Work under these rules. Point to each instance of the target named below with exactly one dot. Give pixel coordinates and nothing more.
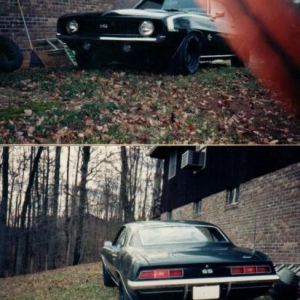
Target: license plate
(206, 292)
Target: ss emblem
(103, 26)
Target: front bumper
(156, 39)
(154, 284)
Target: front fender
(198, 32)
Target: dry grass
(79, 282)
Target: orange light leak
(271, 31)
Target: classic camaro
(173, 34)
(183, 260)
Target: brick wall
(41, 17)
(271, 203)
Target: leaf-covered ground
(217, 105)
(79, 282)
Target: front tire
(186, 60)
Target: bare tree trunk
(74, 203)
(133, 178)
(78, 252)
(21, 264)
(144, 204)
(53, 223)
(3, 210)
(67, 219)
(44, 219)
(157, 189)
(123, 186)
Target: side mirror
(107, 244)
(219, 14)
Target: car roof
(154, 223)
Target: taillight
(263, 269)
(161, 274)
(250, 270)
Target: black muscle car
(173, 34)
(183, 260)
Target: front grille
(115, 27)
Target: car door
(116, 250)
(225, 28)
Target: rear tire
(237, 62)
(11, 57)
(107, 281)
(187, 58)
(122, 292)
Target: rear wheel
(106, 278)
(186, 60)
(122, 293)
(237, 62)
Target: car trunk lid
(204, 254)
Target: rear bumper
(154, 284)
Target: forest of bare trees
(58, 204)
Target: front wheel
(186, 60)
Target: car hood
(149, 13)
(193, 255)
(123, 13)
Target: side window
(233, 195)
(121, 238)
(197, 207)
(172, 165)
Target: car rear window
(180, 235)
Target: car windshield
(180, 235)
(170, 5)
(179, 4)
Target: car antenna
(254, 235)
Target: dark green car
(183, 260)
(172, 34)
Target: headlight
(146, 28)
(72, 26)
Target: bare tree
(124, 199)
(78, 252)
(57, 197)
(3, 210)
(67, 218)
(157, 188)
(53, 223)
(21, 264)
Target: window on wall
(233, 195)
(172, 165)
(197, 207)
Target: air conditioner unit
(192, 158)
